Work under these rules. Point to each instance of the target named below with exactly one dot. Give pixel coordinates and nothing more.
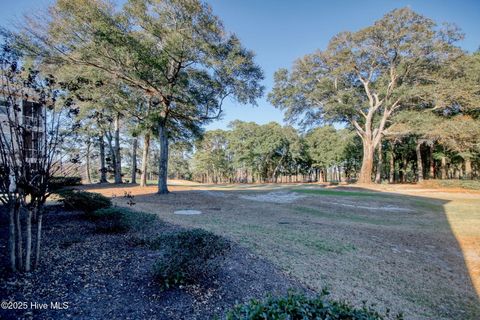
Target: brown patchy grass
(422, 257)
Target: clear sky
(279, 31)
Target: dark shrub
(297, 306)
(57, 183)
(189, 257)
(84, 201)
(113, 220)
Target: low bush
(297, 306)
(57, 183)
(84, 201)
(189, 257)
(114, 220)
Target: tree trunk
(19, 237)
(87, 164)
(391, 177)
(163, 159)
(11, 238)
(28, 245)
(118, 157)
(103, 170)
(419, 161)
(134, 160)
(146, 147)
(432, 163)
(378, 176)
(468, 167)
(367, 162)
(443, 167)
(39, 238)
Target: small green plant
(115, 220)
(189, 257)
(297, 306)
(84, 201)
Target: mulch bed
(108, 276)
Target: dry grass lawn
(414, 249)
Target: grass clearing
(422, 261)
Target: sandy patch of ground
(371, 207)
(275, 197)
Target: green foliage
(297, 306)
(327, 146)
(363, 78)
(260, 151)
(115, 220)
(188, 257)
(179, 157)
(57, 183)
(84, 201)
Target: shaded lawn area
(108, 275)
(412, 253)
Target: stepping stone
(188, 212)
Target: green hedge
(298, 307)
(84, 201)
(189, 257)
(114, 220)
(57, 183)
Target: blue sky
(280, 31)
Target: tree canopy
(364, 77)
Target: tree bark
(103, 170)
(19, 237)
(378, 176)
(367, 162)
(391, 177)
(419, 161)
(443, 167)
(118, 156)
(87, 164)
(134, 160)
(432, 163)
(146, 147)
(28, 245)
(11, 238)
(163, 159)
(468, 167)
(39, 238)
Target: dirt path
(422, 257)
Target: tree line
(153, 73)
(251, 153)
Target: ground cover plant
(188, 256)
(298, 306)
(83, 201)
(119, 219)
